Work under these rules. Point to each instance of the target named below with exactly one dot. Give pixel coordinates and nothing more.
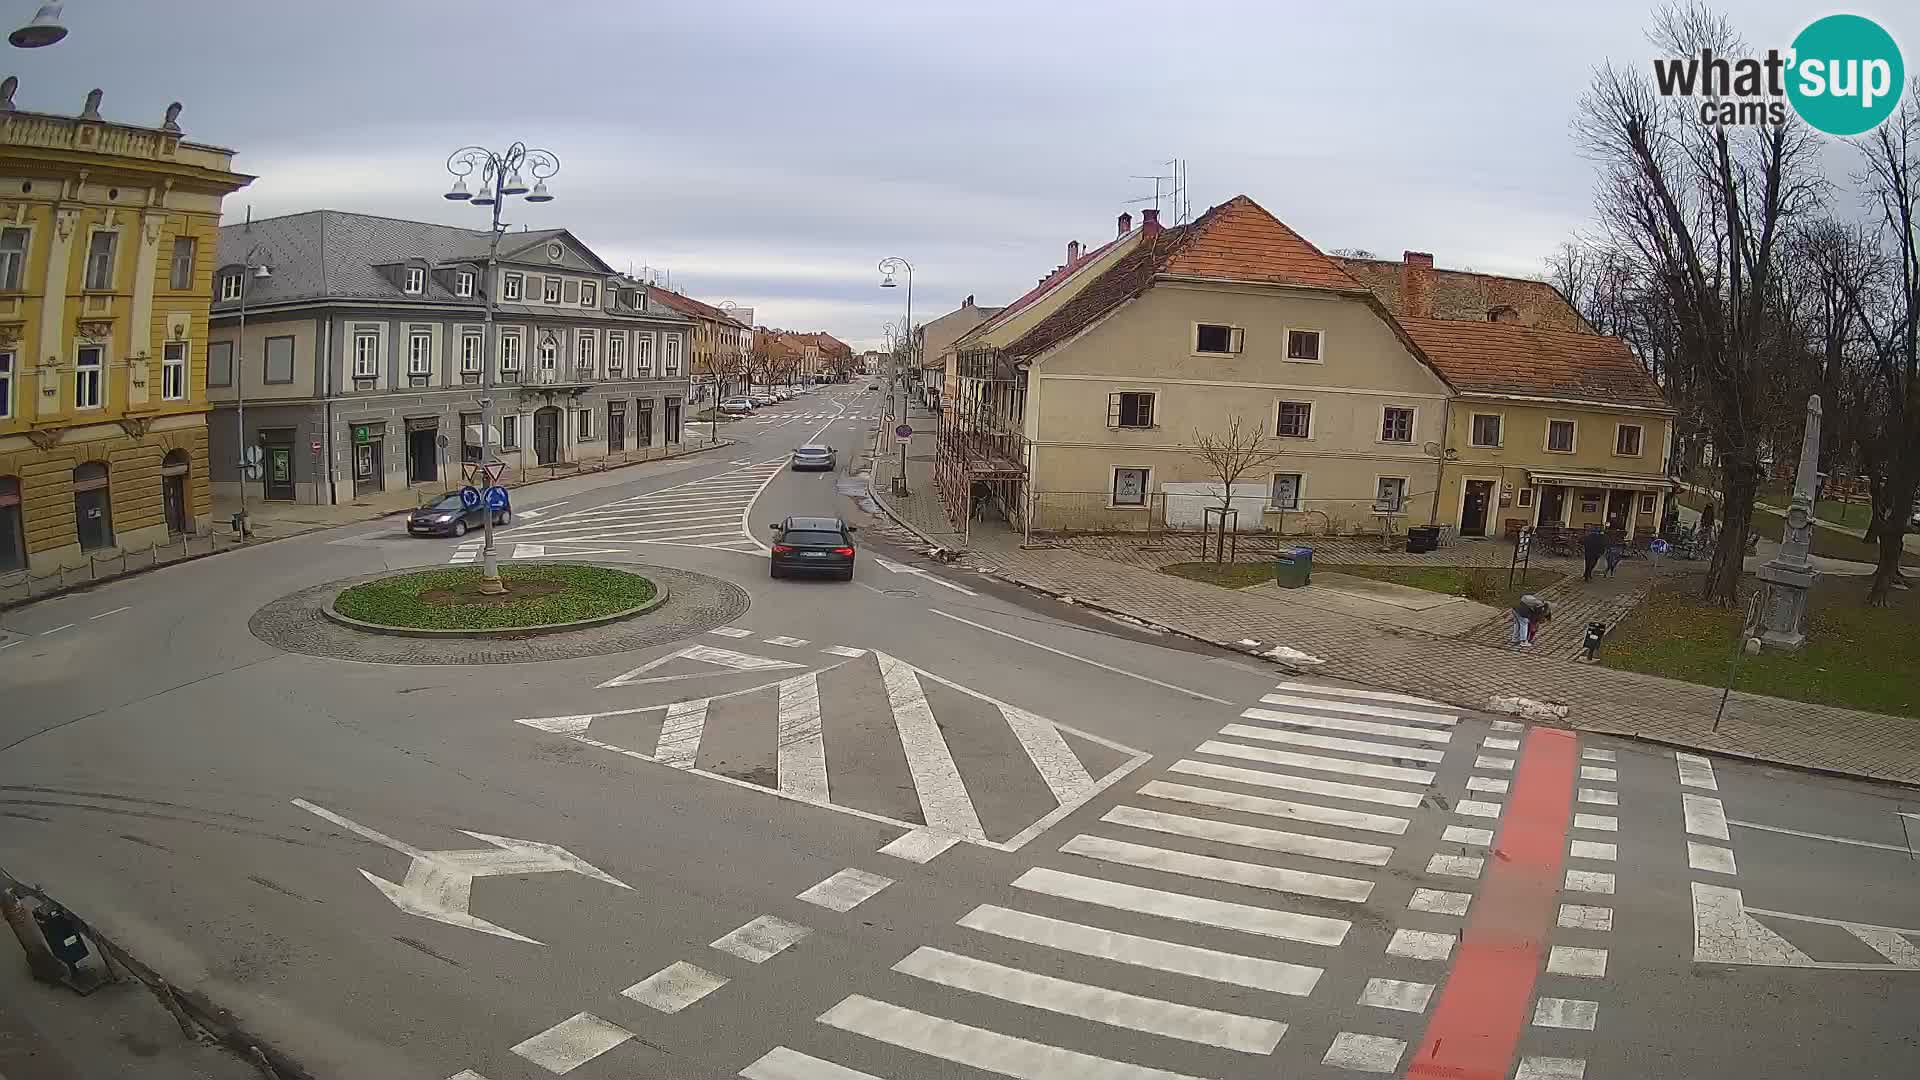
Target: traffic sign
(903, 434)
(496, 498)
(251, 472)
(251, 455)
(316, 446)
(470, 497)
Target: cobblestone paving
(695, 604)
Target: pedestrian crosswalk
(788, 418)
(707, 513)
(1185, 930)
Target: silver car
(813, 456)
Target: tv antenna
(1169, 191)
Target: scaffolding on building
(981, 461)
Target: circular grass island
(540, 598)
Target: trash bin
(1293, 568)
(1423, 538)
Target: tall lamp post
(250, 269)
(502, 176)
(888, 267)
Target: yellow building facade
(107, 250)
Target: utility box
(1422, 539)
(1293, 568)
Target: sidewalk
(119, 1032)
(920, 509)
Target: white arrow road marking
(705, 654)
(439, 884)
(539, 512)
(898, 568)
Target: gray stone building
(361, 370)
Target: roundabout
(540, 598)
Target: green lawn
(1833, 545)
(448, 600)
(1857, 657)
(1487, 585)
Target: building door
(1473, 513)
(279, 466)
(643, 423)
(13, 527)
(546, 435)
(1620, 512)
(173, 491)
(369, 467)
(616, 426)
(673, 420)
(1553, 506)
(423, 455)
(92, 506)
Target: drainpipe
(326, 357)
(1440, 467)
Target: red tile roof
(687, 305)
(1465, 294)
(1527, 361)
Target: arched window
(13, 526)
(92, 506)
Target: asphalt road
(916, 826)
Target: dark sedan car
(813, 545)
(445, 516)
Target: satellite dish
(1431, 449)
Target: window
(173, 372)
(366, 355)
(643, 355)
(1396, 424)
(1286, 492)
(1303, 345)
(100, 250)
(416, 281)
(550, 290)
(180, 270)
(1560, 436)
(463, 283)
(1213, 338)
(1296, 420)
(513, 287)
(510, 352)
(220, 363)
(584, 352)
(1526, 497)
(1486, 429)
(279, 360)
(549, 353)
(1130, 410)
(6, 385)
(1626, 440)
(670, 363)
(584, 428)
(230, 287)
(420, 353)
(1646, 504)
(589, 294)
(1130, 487)
(13, 257)
(470, 349)
(88, 369)
(1390, 494)
(616, 354)
(509, 432)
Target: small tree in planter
(1229, 456)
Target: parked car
(736, 406)
(812, 545)
(447, 516)
(763, 397)
(784, 393)
(813, 456)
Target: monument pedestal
(1783, 607)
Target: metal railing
(1069, 513)
(21, 586)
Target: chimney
(1416, 284)
(969, 302)
(1126, 224)
(1150, 222)
(1073, 253)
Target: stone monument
(1788, 575)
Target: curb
(887, 507)
(659, 597)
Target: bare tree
(1231, 455)
(1704, 209)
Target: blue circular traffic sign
(470, 497)
(496, 498)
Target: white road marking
(1710, 857)
(1599, 797)
(1367, 695)
(1364, 1053)
(572, 1043)
(463, 1074)
(1724, 933)
(1551, 1068)
(1569, 1013)
(1329, 742)
(1440, 902)
(1066, 777)
(761, 939)
(1484, 761)
(1200, 910)
(1579, 962)
(104, 614)
(781, 1063)
(1695, 771)
(1597, 755)
(1584, 917)
(1382, 711)
(9, 645)
(1492, 742)
(1595, 772)
(1466, 866)
(529, 551)
(845, 890)
(1462, 834)
(703, 654)
(944, 803)
(898, 568)
(1508, 725)
(1901, 848)
(1188, 1023)
(989, 1051)
(787, 642)
(1597, 822)
(1280, 808)
(1288, 782)
(1706, 816)
(1253, 972)
(1254, 875)
(801, 766)
(919, 845)
(56, 629)
(1397, 995)
(730, 631)
(1489, 784)
(1360, 727)
(844, 650)
(1316, 763)
(1226, 832)
(680, 733)
(1589, 849)
(1477, 808)
(1589, 881)
(674, 987)
(1091, 663)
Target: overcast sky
(771, 153)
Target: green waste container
(1293, 568)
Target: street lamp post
(501, 177)
(888, 267)
(250, 269)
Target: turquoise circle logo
(1847, 74)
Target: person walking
(1593, 545)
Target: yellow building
(107, 246)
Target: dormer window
(589, 294)
(550, 290)
(463, 283)
(416, 280)
(230, 286)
